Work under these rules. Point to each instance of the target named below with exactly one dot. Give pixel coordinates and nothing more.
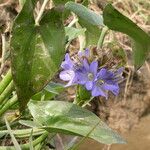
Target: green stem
(27, 146)
(4, 102)
(24, 133)
(5, 81)
(9, 103)
(102, 36)
(7, 92)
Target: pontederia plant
(38, 50)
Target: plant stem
(5, 81)
(41, 12)
(7, 92)
(9, 103)
(102, 36)
(26, 146)
(24, 133)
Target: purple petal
(89, 85)
(94, 67)
(67, 75)
(86, 65)
(105, 74)
(71, 82)
(110, 81)
(68, 63)
(101, 73)
(113, 88)
(82, 77)
(97, 91)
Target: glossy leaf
(68, 118)
(118, 22)
(85, 13)
(36, 54)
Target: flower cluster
(98, 81)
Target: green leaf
(92, 32)
(68, 118)
(82, 95)
(29, 123)
(49, 92)
(54, 88)
(85, 13)
(36, 53)
(73, 33)
(118, 22)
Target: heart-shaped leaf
(68, 118)
(37, 51)
(118, 22)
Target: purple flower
(87, 74)
(99, 83)
(69, 72)
(106, 81)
